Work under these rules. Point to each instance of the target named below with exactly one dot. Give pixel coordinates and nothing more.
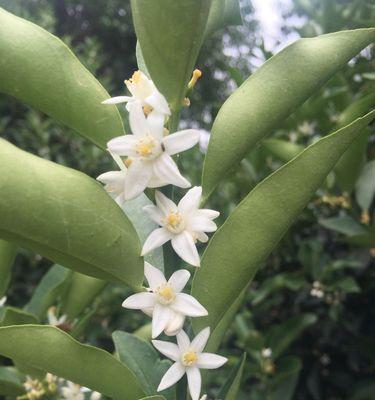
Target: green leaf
(154, 398)
(40, 70)
(365, 186)
(365, 240)
(170, 34)
(143, 360)
(230, 389)
(15, 316)
(66, 216)
(345, 224)
(81, 293)
(286, 378)
(144, 226)
(260, 221)
(56, 352)
(222, 14)
(280, 337)
(282, 149)
(264, 100)
(10, 382)
(8, 253)
(49, 289)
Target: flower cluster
(145, 161)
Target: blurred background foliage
(307, 323)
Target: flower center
(148, 147)
(166, 294)
(189, 358)
(139, 86)
(136, 78)
(174, 222)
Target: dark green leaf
(365, 186)
(230, 389)
(10, 382)
(345, 224)
(286, 378)
(8, 252)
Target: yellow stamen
(189, 358)
(166, 292)
(147, 109)
(136, 78)
(174, 219)
(128, 162)
(196, 75)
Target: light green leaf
(144, 226)
(230, 389)
(49, 289)
(260, 221)
(264, 100)
(365, 186)
(170, 34)
(8, 253)
(280, 337)
(15, 316)
(10, 382)
(222, 14)
(282, 149)
(40, 70)
(143, 360)
(81, 293)
(154, 398)
(56, 352)
(66, 216)
(345, 224)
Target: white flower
(150, 163)
(188, 358)
(3, 301)
(307, 128)
(52, 318)
(143, 93)
(72, 391)
(266, 352)
(183, 224)
(204, 140)
(165, 301)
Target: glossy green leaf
(282, 149)
(16, 316)
(8, 251)
(40, 70)
(260, 221)
(222, 14)
(66, 216)
(230, 389)
(80, 294)
(143, 360)
(144, 226)
(280, 337)
(365, 186)
(170, 34)
(10, 382)
(264, 100)
(49, 289)
(56, 352)
(344, 224)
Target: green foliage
(8, 252)
(222, 14)
(64, 203)
(231, 387)
(10, 382)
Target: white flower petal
(190, 202)
(183, 341)
(155, 122)
(117, 100)
(140, 300)
(154, 276)
(179, 279)
(123, 145)
(137, 177)
(202, 224)
(166, 170)
(210, 361)
(154, 213)
(194, 382)
(168, 349)
(183, 244)
(181, 141)
(148, 311)
(165, 205)
(158, 102)
(188, 305)
(175, 324)
(200, 341)
(155, 182)
(156, 239)
(206, 213)
(113, 178)
(173, 375)
(137, 120)
(160, 319)
(202, 237)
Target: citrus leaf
(8, 252)
(222, 14)
(230, 389)
(15, 316)
(365, 186)
(170, 34)
(282, 149)
(10, 382)
(265, 99)
(66, 216)
(260, 221)
(56, 352)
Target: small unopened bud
(365, 217)
(186, 102)
(196, 75)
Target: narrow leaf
(56, 352)
(264, 100)
(258, 223)
(40, 70)
(231, 387)
(66, 216)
